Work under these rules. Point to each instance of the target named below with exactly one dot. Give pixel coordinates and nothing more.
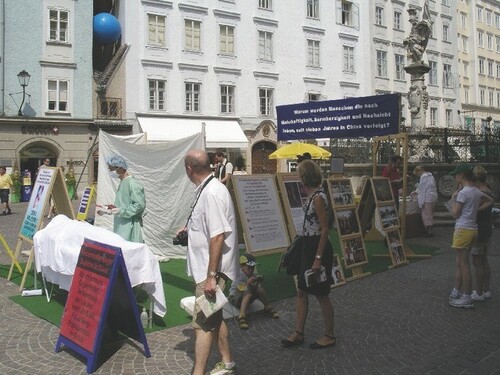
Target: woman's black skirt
(309, 251)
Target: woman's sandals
(317, 345)
(299, 340)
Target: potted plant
(70, 181)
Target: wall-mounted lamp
(24, 79)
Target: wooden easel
(49, 181)
(10, 253)
(401, 141)
(340, 182)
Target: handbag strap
(307, 209)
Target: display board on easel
(260, 213)
(49, 182)
(88, 196)
(293, 197)
(348, 226)
(100, 297)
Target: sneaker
(477, 297)
(464, 302)
(220, 369)
(487, 294)
(455, 294)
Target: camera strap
(196, 201)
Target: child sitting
(247, 288)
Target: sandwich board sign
(100, 297)
(87, 197)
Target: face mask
(113, 174)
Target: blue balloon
(107, 29)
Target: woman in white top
(426, 197)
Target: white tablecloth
(58, 245)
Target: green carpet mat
(178, 285)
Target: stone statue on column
(415, 44)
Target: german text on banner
(367, 117)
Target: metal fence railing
(436, 145)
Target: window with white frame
(379, 16)
(433, 113)
(313, 53)
(482, 93)
(489, 18)
(400, 63)
(398, 20)
(57, 94)
(463, 18)
(381, 63)
(465, 44)
(447, 77)
(466, 69)
(498, 98)
(433, 74)
(449, 117)
(480, 38)
(58, 25)
(445, 2)
(347, 18)
(348, 59)
(466, 94)
(446, 33)
(192, 34)
(266, 4)
(156, 30)
(481, 65)
(265, 45)
(489, 41)
(490, 68)
(226, 40)
(226, 99)
(491, 98)
(313, 97)
(497, 39)
(193, 93)
(480, 14)
(497, 21)
(498, 70)
(266, 101)
(156, 94)
(313, 9)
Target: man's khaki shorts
(200, 321)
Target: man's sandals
(242, 322)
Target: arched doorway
(31, 156)
(260, 157)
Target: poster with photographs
(366, 207)
(354, 251)
(398, 255)
(388, 216)
(382, 189)
(347, 222)
(337, 272)
(294, 198)
(341, 192)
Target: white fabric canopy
(169, 193)
(219, 133)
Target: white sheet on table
(58, 245)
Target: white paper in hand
(212, 305)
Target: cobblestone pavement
(394, 322)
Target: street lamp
(24, 78)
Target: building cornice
(198, 67)
(353, 85)
(314, 30)
(193, 8)
(348, 36)
(316, 80)
(164, 64)
(227, 14)
(159, 3)
(57, 64)
(261, 74)
(265, 21)
(225, 70)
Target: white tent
(219, 133)
(169, 193)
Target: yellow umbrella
(293, 149)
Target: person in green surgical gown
(130, 202)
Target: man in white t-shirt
(212, 255)
(224, 167)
